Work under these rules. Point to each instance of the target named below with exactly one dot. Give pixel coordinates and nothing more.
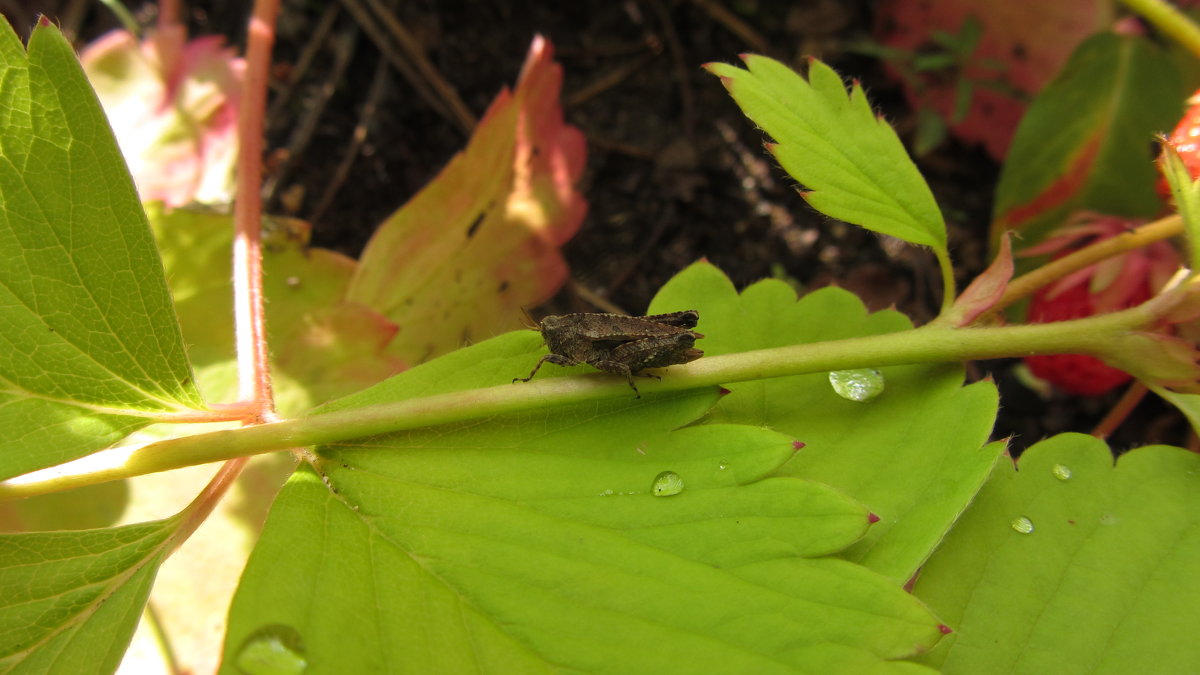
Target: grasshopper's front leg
(556, 359)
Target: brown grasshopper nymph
(623, 345)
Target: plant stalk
(1167, 18)
(929, 344)
(1026, 284)
(254, 370)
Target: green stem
(949, 290)
(929, 344)
(123, 15)
(1167, 18)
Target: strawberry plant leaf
(502, 208)
(91, 348)
(1188, 404)
(537, 541)
(895, 453)
(1185, 193)
(1099, 574)
(1083, 143)
(69, 601)
(851, 162)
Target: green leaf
(496, 580)
(1188, 404)
(90, 348)
(1185, 192)
(896, 453)
(1105, 582)
(535, 542)
(835, 146)
(1083, 143)
(69, 601)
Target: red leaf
(1022, 46)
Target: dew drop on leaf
(667, 484)
(1061, 472)
(858, 384)
(1022, 525)
(274, 649)
(723, 465)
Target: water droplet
(723, 465)
(667, 484)
(607, 493)
(1061, 472)
(1022, 525)
(272, 650)
(859, 384)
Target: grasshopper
(623, 345)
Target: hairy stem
(930, 344)
(949, 292)
(254, 373)
(1121, 411)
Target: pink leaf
(470, 250)
(1022, 46)
(987, 288)
(173, 107)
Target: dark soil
(675, 173)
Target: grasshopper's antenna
(529, 322)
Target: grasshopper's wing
(685, 319)
(618, 328)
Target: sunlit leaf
(173, 105)
(895, 453)
(459, 262)
(90, 349)
(537, 541)
(69, 601)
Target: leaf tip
(872, 518)
(798, 445)
(723, 391)
(944, 629)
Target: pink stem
(254, 374)
(168, 13)
(204, 503)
